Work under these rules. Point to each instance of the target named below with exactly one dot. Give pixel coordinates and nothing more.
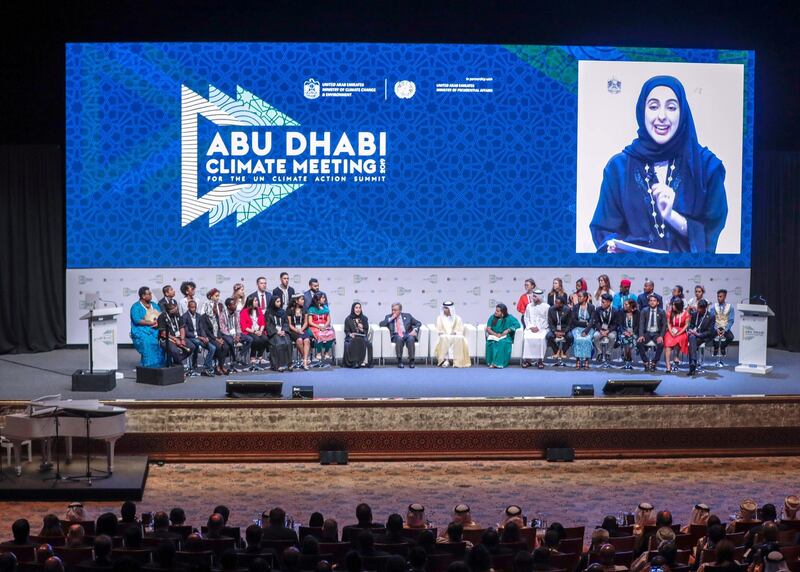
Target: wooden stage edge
(263, 430)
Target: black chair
(26, 553)
(315, 531)
(141, 555)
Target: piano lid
(51, 405)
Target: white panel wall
(475, 291)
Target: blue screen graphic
(357, 155)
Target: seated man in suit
(21, 531)
(275, 528)
(605, 323)
(169, 296)
(102, 554)
(283, 290)
(652, 327)
(701, 330)
(394, 531)
(161, 528)
(308, 295)
(559, 323)
(172, 335)
(404, 330)
(261, 295)
(194, 325)
(364, 518)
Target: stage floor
(127, 482)
(26, 376)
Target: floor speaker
(560, 454)
(333, 457)
(159, 375)
(82, 380)
(254, 389)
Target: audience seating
(399, 549)
(744, 526)
(473, 535)
(574, 532)
(337, 549)
(413, 533)
(315, 531)
(567, 562)
(623, 543)
(88, 526)
(457, 549)
(141, 555)
(183, 529)
(71, 557)
(200, 558)
(736, 537)
(51, 540)
(571, 545)
(23, 553)
(503, 562)
(439, 561)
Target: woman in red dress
(676, 336)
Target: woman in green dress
(500, 337)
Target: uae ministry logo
(259, 155)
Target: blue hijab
(694, 162)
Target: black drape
(32, 277)
(776, 243)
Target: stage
(386, 413)
(27, 376)
(127, 482)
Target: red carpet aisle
(575, 493)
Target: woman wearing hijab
(664, 191)
(296, 316)
(280, 346)
(500, 337)
(357, 342)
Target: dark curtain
(776, 243)
(32, 276)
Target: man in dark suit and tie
(308, 295)
(649, 289)
(404, 329)
(169, 297)
(194, 326)
(652, 327)
(283, 290)
(700, 330)
(263, 298)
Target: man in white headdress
(534, 342)
(452, 345)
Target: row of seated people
(588, 330)
(644, 541)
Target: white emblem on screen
(405, 89)
(311, 88)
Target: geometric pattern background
(472, 179)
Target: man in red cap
(624, 294)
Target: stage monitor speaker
(333, 457)
(98, 380)
(302, 392)
(631, 386)
(159, 375)
(560, 454)
(254, 389)
(582, 390)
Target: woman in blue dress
(582, 332)
(144, 329)
(663, 191)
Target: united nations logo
(311, 88)
(405, 89)
(614, 85)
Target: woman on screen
(664, 191)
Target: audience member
(463, 515)
(51, 527)
(479, 559)
(364, 518)
(276, 528)
(330, 530)
(8, 562)
(417, 559)
(102, 553)
(75, 536)
(21, 531)
(415, 517)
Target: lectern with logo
(102, 373)
(753, 340)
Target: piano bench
(6, 444)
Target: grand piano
(106, 422)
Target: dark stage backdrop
(31, 248)
(776, 243)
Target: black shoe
(208, 373)
(692, 368)
(369, 365)
(411, 365)
(400, 365)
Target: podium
(753, 340)
(102, 324)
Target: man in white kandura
(534, 343)
(452, 345)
